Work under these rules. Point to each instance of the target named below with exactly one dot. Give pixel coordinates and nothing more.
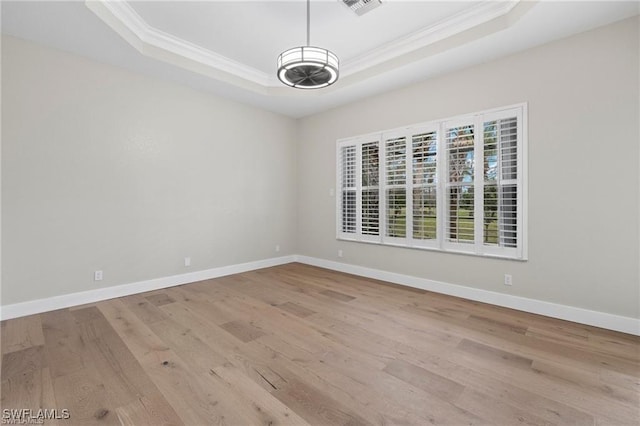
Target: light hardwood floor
(300, 345)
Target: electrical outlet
(508, 280)
(339, 253)
(277, 248)
(97, 276)
(187, 261)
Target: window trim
(478, 248)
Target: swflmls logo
(29, 416)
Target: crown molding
(157, 44)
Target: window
(454, 185)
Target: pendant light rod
(307, 67)
(308, 23)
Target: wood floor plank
(146, 310)
(510, 326)
(296, 309)
(201, 357)
(203, 304)
(496, 411)
(21, 333)
(23, 362)
(614, 378)
(425, 380)
(487, 352)
(63, 344)
(148, 410)
(297, 344)
(245, 331)
(337, 295)
(29, 390)
(86, 398)
(265, 408)
(159, 299)
(316, 407)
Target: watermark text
(21, 416)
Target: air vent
(360, 7)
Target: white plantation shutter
(347, 172)
(508, 201)
(460, 183)
(370, 194)
(395, 187)
(358, 178)
(456, 185)
(503, 213)
(500, 182)
(424, 152)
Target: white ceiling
(230, 48)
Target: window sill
(436, 249)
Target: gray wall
(107, 169)
(584, 167)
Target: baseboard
(92, 296)
(569, 313)
(554, 310)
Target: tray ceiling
(230, 48)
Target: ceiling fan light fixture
(308, 67)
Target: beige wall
(107, 169)
(584, 137)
